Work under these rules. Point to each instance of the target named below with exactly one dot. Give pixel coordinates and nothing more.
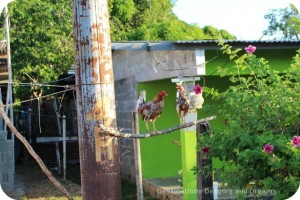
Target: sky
(242, 18)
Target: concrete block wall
(7, 167)
(126, 92)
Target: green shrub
(260, 108)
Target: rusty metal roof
(202, 44)
(3, 47)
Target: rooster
(151, 110)
(182, 102)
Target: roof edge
(202, 44)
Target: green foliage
(41, 42)
(258, 109)
(283, 23)
(154, 20)
(213, 33)
(42, 38)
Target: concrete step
(164, 188)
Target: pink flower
(250, 49)
(268, 148)
(205, 150)
(296, 141)
(197, 89)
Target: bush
(261, 112)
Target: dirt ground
(37, 186)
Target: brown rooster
(151, 110)
(182, 102)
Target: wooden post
(58, 117)
(64, 147)
(58, 158)
(204, 182)
(137, 159)
(30, 125)
(99, 153)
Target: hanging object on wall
(194, 92)
(196, 97)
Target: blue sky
(242, 18)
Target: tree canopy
(154, 20)
(42, 38)
(284, 23)
(41, 41)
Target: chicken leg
(154, 132)
(146, 123)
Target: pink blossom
(296, 141)
(205, 150)
(197, 89)
(250, 49)
(268, 148)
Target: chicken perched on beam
(182, 102)
(151, 110)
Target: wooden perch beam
(116, 133)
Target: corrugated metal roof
(202, 44)
(239, 41)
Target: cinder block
(7, 187)
(129, 142)
(3, 135)
(6, 167)
(7, 156)
(4, 177)
(7, 145)
(10, 177)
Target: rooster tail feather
(141, 100)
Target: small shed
(151, 66)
